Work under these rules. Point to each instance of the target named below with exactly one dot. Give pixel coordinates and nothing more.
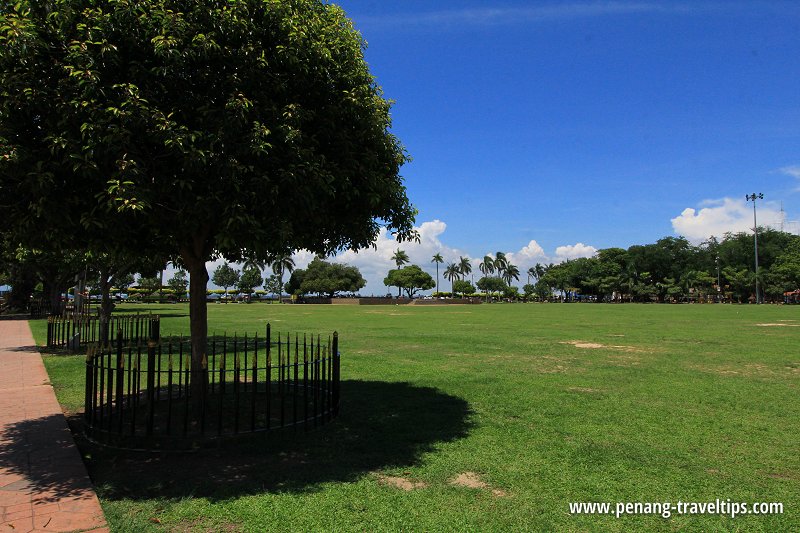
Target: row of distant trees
(671, 269)
(250, 277)
(320, 277)
(498, 273)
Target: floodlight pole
(719, 288)
(752, 198)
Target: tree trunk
(51, 288)
(194, 256)
(105, 305)
(198, 320)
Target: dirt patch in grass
(585, 345)
(597, 346)
(471, 480)
(401, 483)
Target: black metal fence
(40, 308)
(147, 396)
(78, 331)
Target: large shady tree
(234, 129)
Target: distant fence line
(141, 397)
(78, 331)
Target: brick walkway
(43, 482)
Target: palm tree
(464, 266)
(400, 258)
(510, 273)
(251, 262)
(500, 264)
(437, 259)
(452, 273)
(487, 266)
(487, 269)
(540, 270)
(280, 264)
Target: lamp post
(719, 288)
(752, 198)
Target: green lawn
(541, 404)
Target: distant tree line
(672, 269)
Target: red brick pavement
(43, 482)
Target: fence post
(204, 377)
(305, 381)
(268, 380)
(120, 379)
(236, 375)
(336, 373)
(254, 383)
(188, 399)
(89, 390)
(152, 343)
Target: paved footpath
(43, 482)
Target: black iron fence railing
(78, 331)
(146, 395)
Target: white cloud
(721, 216)
(574, 251)
(531, 254)
(793, 170)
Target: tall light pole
(719, 288)
(752, 198)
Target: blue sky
(551, 129)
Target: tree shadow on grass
(381, 425)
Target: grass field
(494, 418)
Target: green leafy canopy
(223, 128)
